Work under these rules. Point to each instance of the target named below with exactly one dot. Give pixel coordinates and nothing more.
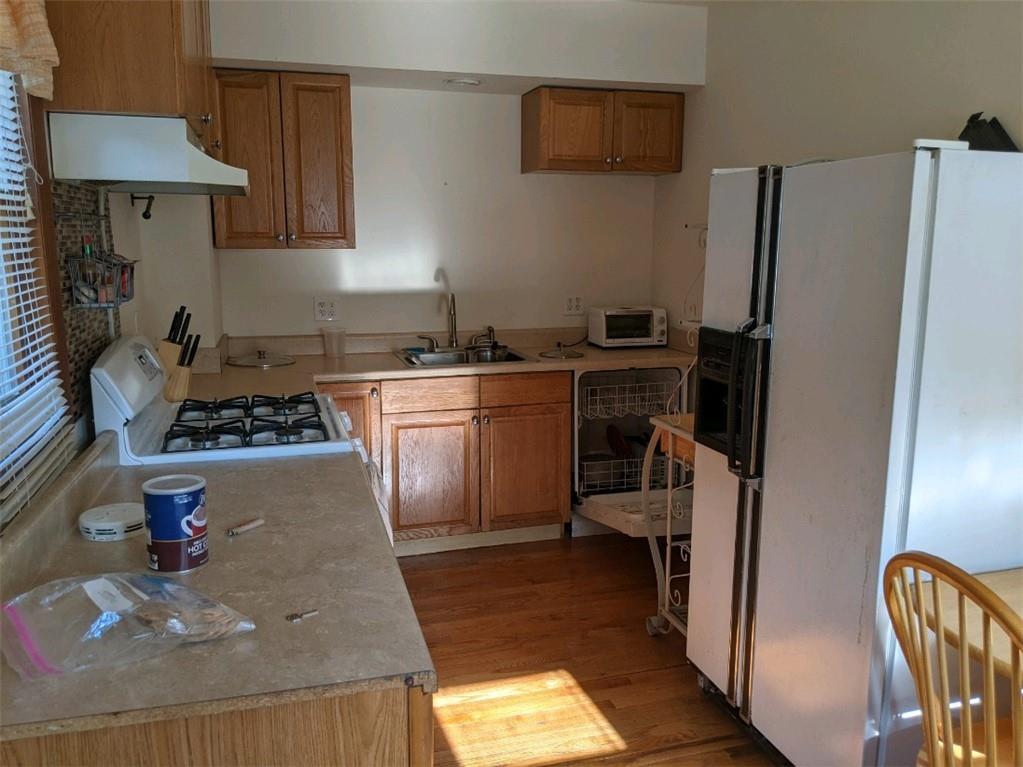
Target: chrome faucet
(488, 335)
(452, 322)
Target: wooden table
(1007, 584)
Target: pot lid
(261, 359)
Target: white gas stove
(127, 394)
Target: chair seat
(1003, 740)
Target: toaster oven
(616, 326)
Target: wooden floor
(543, 659)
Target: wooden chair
(914, 584)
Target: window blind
(35, 436)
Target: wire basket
(620, 474)
(618, 400)
(105, 280)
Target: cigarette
(244, 528)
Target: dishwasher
(613, 429)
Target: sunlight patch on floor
(524, 721)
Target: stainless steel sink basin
(448, 357)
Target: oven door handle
(738, 341)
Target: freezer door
(731, 240)
(966, 497)
(842, 252)
(715, 493)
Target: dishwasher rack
(619, 400)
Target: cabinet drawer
(525, 389)
(416, 395)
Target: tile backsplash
(76, 209)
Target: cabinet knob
(607, 160)
(217, 143)
(207, 119)
(486, 419)
(292, 237)
(374, 393)
(279, 238)
(618, 159)
(475, 420)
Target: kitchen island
(349, 685)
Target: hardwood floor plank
(543, 659)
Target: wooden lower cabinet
(525, 457)
(361, 400)
(379, 727)
(431, 469)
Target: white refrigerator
(859, 393)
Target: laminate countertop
(310, 370)
(323, 547)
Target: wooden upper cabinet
(569, 129)
(248, 135)
(525, 465)
(317, 121)
(197, 81)
(431, 470)
(648, 132)
(148, 58)
(293, 134)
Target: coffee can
(176, 534)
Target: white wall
(788, 81)
(437, 186)
(600, 41)
(176, 264)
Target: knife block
(168, 352)
(176, 388)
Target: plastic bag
(104, 620)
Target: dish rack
(101, 281)
(613, 427)
(633, 398)
(619, 474)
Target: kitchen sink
(446, 357)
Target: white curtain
(26, 45)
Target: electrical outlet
(573, 306)
(325, 308)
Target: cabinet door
(248, 130)
(319, 195)
(567, 129)
(525, 460)
(431, 471)
(117, 56)
(195, 52)
(648, 132)
(361, 400)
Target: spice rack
(101, 280)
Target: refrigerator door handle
(731, 430)
(750, 380)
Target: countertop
(310, 370)
(323, 546)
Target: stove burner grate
(308, 428)
(304, 403)
(205, 436)
(209, 410)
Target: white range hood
(151, 155)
